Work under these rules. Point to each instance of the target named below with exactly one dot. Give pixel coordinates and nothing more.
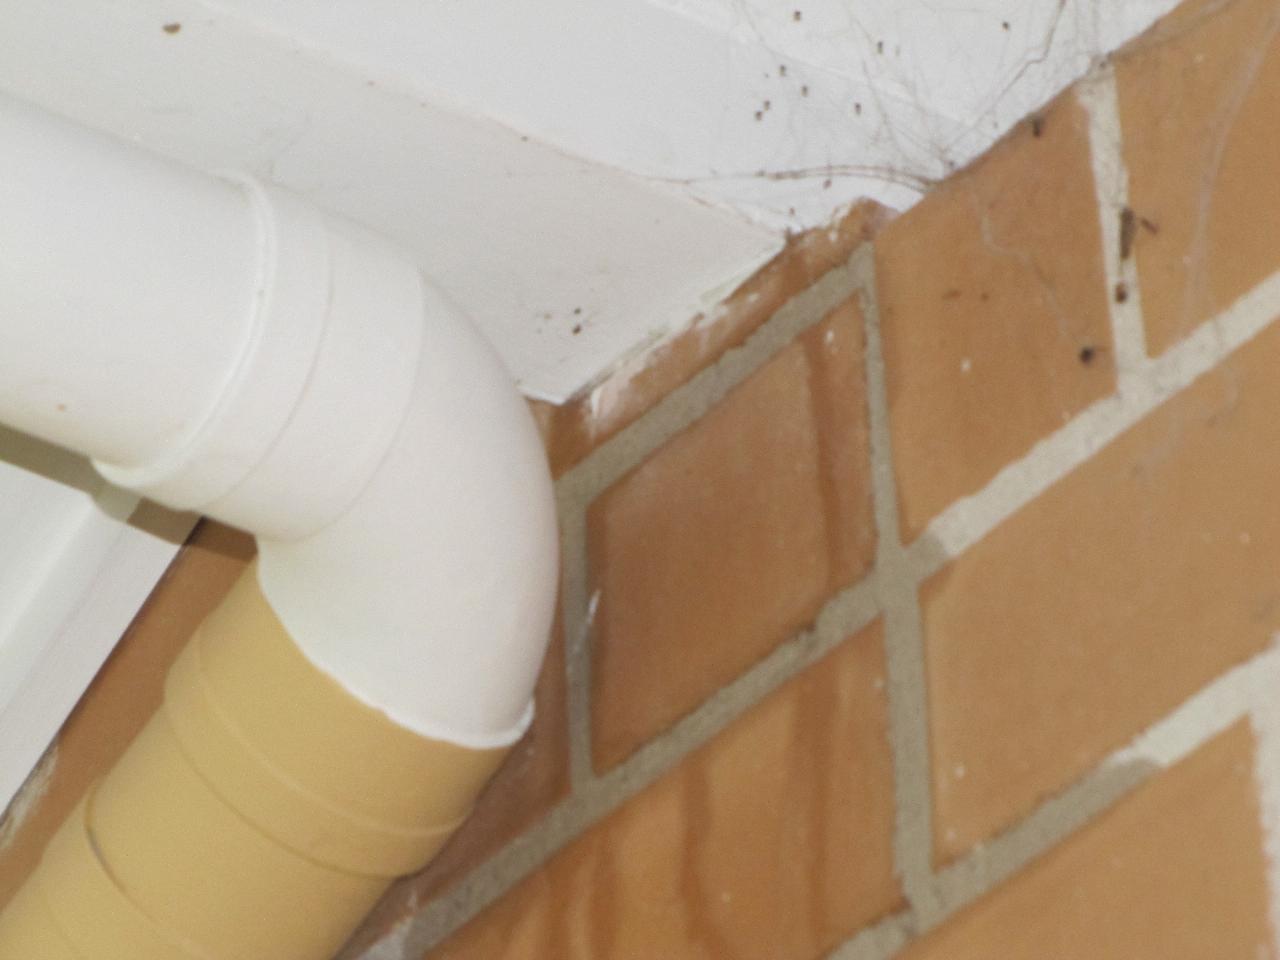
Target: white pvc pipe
(125, 287)
(222, 346)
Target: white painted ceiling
(583, 176)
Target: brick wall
(921, 602)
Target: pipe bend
(431, 596)
(375, 444)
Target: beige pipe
(258, 816)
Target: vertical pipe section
(127, 285)
(260, 813)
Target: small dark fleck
(880, 46)
(1122, 292)
(984, 296)
(1037, 126)
(1128, 230)
(804, 91)
(759, 115)
(950, 294)
(1087, 355)
(577, 311)
(577, 329)
(826, 184)
(1004, 24)
(797, 16)
(524, 139)
(791, 211)
(1147, 225)
(782, 69)
(171, 28)
(857, 108)
(768, 104)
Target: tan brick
(1108, 600)
(533, 778)
(729, 538)
(994, 312)
(1200, 101)
(576, 428)
(1175, 872)
(772, 842)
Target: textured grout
(1265, 718)
(1247, 690)
(573, 559)
(1097, 94)
(878, 941)
(895, 584)
(969, 519)
(688, 403)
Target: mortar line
(1243, 692)
(880, 941)
(1119, 224)
(692, 400)
(577, 649)
(847, 612)
(969, 519)
(896, 587)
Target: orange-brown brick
(994, 312)
(1107, 601)
(1175, 872)
(772, 842)
(728, 539)
(1200, 103)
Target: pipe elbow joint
(373, 441)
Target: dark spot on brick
(1087, 354)
(1122, 292)
(171, 28)
(950, 294)
(1004, 24)
(797, 16)
(1037, 126)
(577, 329)
(1128, 230)
(984, 296)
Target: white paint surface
(565, 166)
